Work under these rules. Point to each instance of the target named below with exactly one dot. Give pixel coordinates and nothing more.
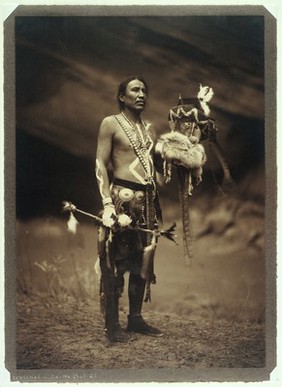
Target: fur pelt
(179, 149)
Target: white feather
(72, 223)
(205, 108)
(205, 94)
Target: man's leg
(136, 288)
(111, 294)
(110, 289)
(136, 323)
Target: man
(130, 199)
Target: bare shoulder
(108, 121)
(108, 125)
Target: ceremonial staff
(71, 208)
(190, 123)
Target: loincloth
(127, 245)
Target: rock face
(68, 70)
(239, 222)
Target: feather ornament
(205, 94)
(148, 256)
(72, 223)
(169, 233)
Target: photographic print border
(132, 375)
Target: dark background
(67, 73)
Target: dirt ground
(53, 335)
(212, 313)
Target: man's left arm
(157, 159)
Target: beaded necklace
(140, 149)
(142, 136)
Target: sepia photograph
(141, 194)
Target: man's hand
(197, 175)
(109, 215)
(159, 148)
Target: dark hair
(123, 86)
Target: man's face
(135, 96)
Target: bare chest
(121, 141)
(131, 139)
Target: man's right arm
(103, 155)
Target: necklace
(140, 149)
(143, 139)
(141, 135)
